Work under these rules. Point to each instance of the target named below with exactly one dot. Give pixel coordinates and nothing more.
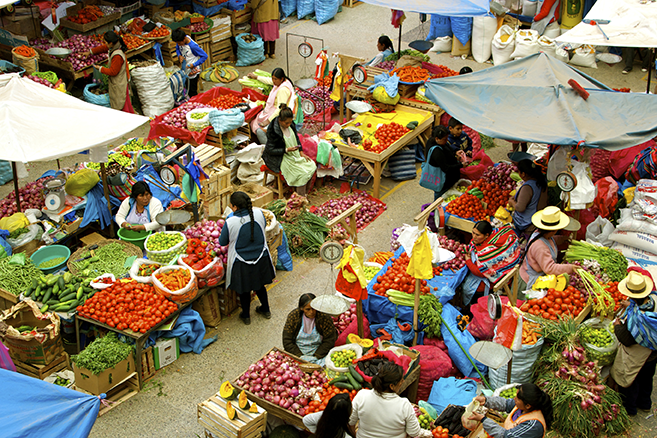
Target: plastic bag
(558, 163)
(462, 29)
(604, 355)
(98, 285)
(198, 124)
(599, 231)
(465, 418)
(212, 270)
(483, 32)
(134, 270)
(380, 95)
(305, 8)
(509, 329)
(81, 182)
(153, 88)
(503, 45)
(482, 326)
(465, 338)
(441, 26)
(249, 53)
(642, 241)
(331, 366)
(180, 296)
(34, 234)
(96, 99)
(607, 198)
(475, 172)
(288, 7)
(584, 192)
(442, 44)
(168, 255)
(547, 46)
(14, 222)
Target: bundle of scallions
(612, 262)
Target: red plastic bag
(607, 198)
(509, 329)
(475, 172)
(482, 326)
(436, 343)
(353, 328)
(434, 364)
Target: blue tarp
(453, 8)
(380, 310)
(530, 100)
(32, 408)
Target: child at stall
(191, 57)
(457, 139)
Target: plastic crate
(6, 64)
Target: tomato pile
(569, 302)
(443, 432)
(388, 134)
(397, 278)
(325, 395)
(467, 206)
(446, 72)
(174, 279)
(612, 288)
(132, 41)
(87, 15)
(128, 305)
(326, 81)
(494, 196)
(158, 32)
(225, 101)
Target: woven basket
(129, 248)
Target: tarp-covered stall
(453, 8)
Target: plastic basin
(135, 237)
(48, 253)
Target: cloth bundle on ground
(249, 53)
(402, 165)
(226, 120)
(452, 391)
(189, 330)
(434, 364)
(386, 88)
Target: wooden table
(376, 162)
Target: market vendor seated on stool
(308, 333)
(282, 93)
(385, 48)
(636, 357)
(283, 153)
(492, 255)
(138, 212)
(541, 255)
(530, 413)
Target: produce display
(59, 293)
(343, 358)
(199, 27)
(570, 302)
(583, 406)
(44, 81)
(25, 51)
(326, 394)
(123, 159)
(386, 65)
(396, 278)
(209, 232)
(410, 74)
(598, 342)
(503, 175)
(460, 250)
(410, 52)
(147, 269)
(278, 379)
(305, 231)
(444, 72)
(135, 145)
(31, 196)
(342, 322)
(467, 206)
(425, 420)
(133, 42)
(370, 209)
(531, 332)
(52, 262)
(174, 279)
(386, 135)
(381, 257)
(491, 194)
(128, 304)
(162, 241)
(612, 289)
(450, 421)
(18, 233)
(370, 272)
(107, 259)
(158, 32)
(509, 392)
(429, 313)
(198, 116)
(16, 278)
(103, 353)
(225, 101)
(612, 262)
(176, 117)
(88, 14)
(80, 46)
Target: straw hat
(550, 218)
(573, 225)
(635, 285)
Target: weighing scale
(173, 217)
(359, 73)
(55, 195)
(331, 252)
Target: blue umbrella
(531, 100)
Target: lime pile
(426, 422)
(595, 339)
(509, 392)
(157, 245)
(343, 358)
(134, 145)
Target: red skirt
(267, 30)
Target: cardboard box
(208, 307)
(23, 25)
(102, 382)
(92, 238)
(72, 227)
(262, 197)
(41, 349)
(166, 351)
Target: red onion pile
(176, 117)
(79, 45)
(31, 196)
(199, 27)
(577, 369)
(386, 65)
(279, 380)
(501, 175)
(342, 322)
(319, 95)
(41, 81)
(364, 216)
(209, 231)
(459, 249)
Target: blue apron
(135, 218)
(308, 343)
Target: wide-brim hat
(550, 218)
(518, 156)
(573, 225)
(636, 285)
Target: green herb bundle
(612, 262)
(17, 278)
(429, 313)
(103, 353)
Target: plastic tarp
(631, 24)
(38, 123)
(33, 408)
(452, 8)
(529, 100)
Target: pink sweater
(540, 259)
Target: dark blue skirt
(245, 278)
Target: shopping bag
(433, 178)
(419, 266)
(351, 279)
(509, 329)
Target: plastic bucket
(48, 253)
(135, 237)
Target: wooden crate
(228, 301)
(209, 155)
(215, 206)
(414, 103)
(7, 299)
(211, 414)
(65, 22)
(222, 51)
(207, 3)
(238, 17)
(147, 364)
(218, 184)
(43, 371)
(351, 3)
(169, 51)
(203, 40)
(221, 32)
(125, 390)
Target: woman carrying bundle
(117, 72)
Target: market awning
(530, 100)
(453, 8)
(38, 123)
(631, 24)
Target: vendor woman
(384, 46)
(138, 212)
(117, 72)
(541, 255)
(530, 197)
(530, 413)
(492, 255)
(283, 152)
(282, 93)
(308, 333)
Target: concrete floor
(167, 405)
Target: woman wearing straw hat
(541, 255)
(636, 358)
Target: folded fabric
(189, 330)
(451, 391)
(389, 83)
(226, 120)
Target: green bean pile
(17, 278)
(51, 263)
(111, 259)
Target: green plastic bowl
(135, 237)
(48, 253)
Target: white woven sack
(521, 367)
(552, 30)
(584, 57)
(502, 50)
(153, 89)
(547, 46)
(442, 44)
(483, 32)
(526, 43)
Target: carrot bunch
(411, 74)
(174, 279)
(381, 257)
(530, 332)
(25, 51)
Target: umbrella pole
(359, 317)
(651, 54)
(416, 309)
(18, 196)
(103, 175)
(400, 36)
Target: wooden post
(416, 307)
(346, 63)
(359, 318)
(103, 175)
(18, 196)
(350, 227)
(508, 371)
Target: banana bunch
(220, 72)
(476, 192)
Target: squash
(353, 338)
(227, 391)
(242, 401)
(254, 408)
(366, 343)
(230, 411)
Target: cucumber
(353, 382)
(24, 328)
(67, 297)
(37, 291)
(52, 302)
(68, 277)
(61, 283)
(51, 281)
(88, 289)
(339, 378)
(79, 293)
(47, 296)
(29, 292)
(44, 308)
(55, 289)
(355, 374)
(344, 385)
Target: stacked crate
(220, 44)
(169, 52)
(238, 17)
(203, 40)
